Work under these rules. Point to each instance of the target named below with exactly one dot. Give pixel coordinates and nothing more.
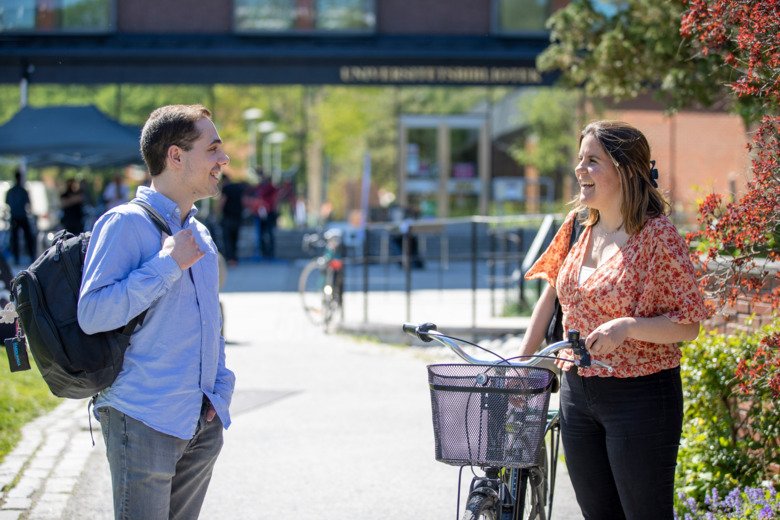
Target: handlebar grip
(419, 331)
(410, 328)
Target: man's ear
(174, 156)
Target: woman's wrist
(629, 324)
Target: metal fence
(480, 259)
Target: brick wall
(697, 153)
(746, 315)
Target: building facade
(361, 42)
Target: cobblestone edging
(38, 476)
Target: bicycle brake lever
(585, 359)
(578, 346)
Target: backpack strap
(556, 322)
(160, 223)
(154, 215)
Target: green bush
(731, 425)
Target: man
(267, 193)
(261, 203)
(162, 418)
(18, 201)
(232, 216)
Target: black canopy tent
(69, 136)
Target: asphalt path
(325, 426)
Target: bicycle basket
(487, 415)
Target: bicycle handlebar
(544, 358)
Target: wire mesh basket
(488, 415)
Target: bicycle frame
(509, 493)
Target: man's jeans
(157, 476)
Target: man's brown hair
(629, 151)
(168, 126)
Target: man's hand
(183, 248)
(210, 413)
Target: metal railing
(481, 254)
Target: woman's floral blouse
(651, 275)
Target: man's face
(203, 163)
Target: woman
(628, 286)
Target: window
(56, 15)
(513, 16)
(304, 15)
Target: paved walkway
(325, 426)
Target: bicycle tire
(310, 289)
(331, 300)
(481, 507)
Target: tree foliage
(631, 48)
(549, 116)
(351, 120)
(743, 33)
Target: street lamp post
(266, 127)
(277, 138)
(251, 116)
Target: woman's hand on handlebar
(608, 336)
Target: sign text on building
(459, 75)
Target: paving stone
(26, 487)
(21, 503)
(6, 478)
(50, 506)
(42, 463)
(60, 485)
(13, 464)
(10, 515)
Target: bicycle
(321, 282)
(495, 415)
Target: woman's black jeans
(620, 437)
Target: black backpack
(74, 364)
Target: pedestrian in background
(72, 205)
(115, 193)
(262, 204)
(232, 216)
(162, 419)
(18, 201)
(628, 286)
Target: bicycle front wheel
(310, 285)
(481, 507)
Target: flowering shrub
(747, 503)
(731, 427)
(744, 34)
(761, 373)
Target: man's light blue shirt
(178, 355)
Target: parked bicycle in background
(494, 414)
(321, 283)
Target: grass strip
(23, 397)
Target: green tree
(621, 49)
(550, 119)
